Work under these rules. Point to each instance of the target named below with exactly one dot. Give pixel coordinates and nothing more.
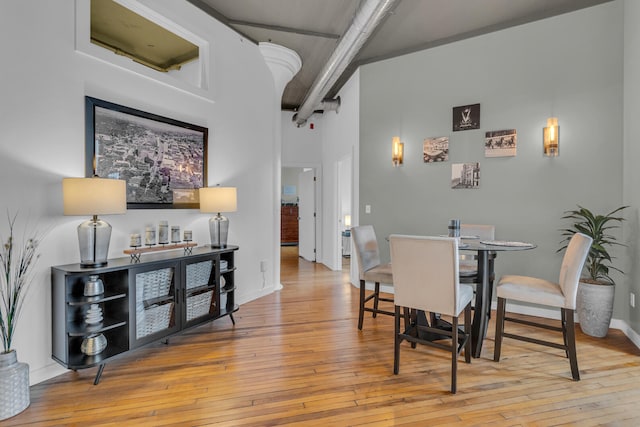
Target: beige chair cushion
(540, 291)
(468, 268)
(530, 289)
(381, 274)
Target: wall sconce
(397, 153)
(551, 138)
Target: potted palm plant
(16, 266)
(596, 290)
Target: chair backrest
(483, 231)
(366, 246)
(425, 273)
(571, 269)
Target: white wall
(43, 86)
(301, 146)
(340, 138)
(290, 179)
(569, 66)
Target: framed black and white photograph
(500, 143)
(435, 149)
(465, 175)
(466, 117)
(163, 161)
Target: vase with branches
(16, 270)
(17, 261)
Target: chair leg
(376, 296)
(396, 340)
(499, 328)
(361, 312)
(571, 342)
(407, 318)
(454, 354)
(563, 320)
(467, 331)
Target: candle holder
(175, 234)
(150, 236)
(163, 233)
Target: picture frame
(501, 143)
(465, 175)
(466, 117)
(435, 149)
(163, 160)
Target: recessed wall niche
(156, 46)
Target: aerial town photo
(163, 163)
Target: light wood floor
(296, 357)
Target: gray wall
(631, 155)
(568, 66)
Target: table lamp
(94, 196)
(215, 200)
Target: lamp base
(94, 236)
(219, 230)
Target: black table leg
(482, 303)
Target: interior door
(307, 214)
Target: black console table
(142, 302)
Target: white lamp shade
(218, 199)
(94, 196)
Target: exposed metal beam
(202, 5)
(368, 17)
(284, 29)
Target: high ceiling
(313, 28)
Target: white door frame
(339, 225)
(318, 198)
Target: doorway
(298, 210)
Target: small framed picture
(465, 175)
(500, 143)
(435, 149)
(466, 117)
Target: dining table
(486, 252)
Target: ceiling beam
(284, 29)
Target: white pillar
(284, 63)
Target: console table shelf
(143, 301)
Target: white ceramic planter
(594, 305)
(14, 385)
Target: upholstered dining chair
(425, 278)
(560, 295)
(469, 262)
(370, 270)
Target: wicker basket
(153, 284)
(198, 305)
(153, 319)
(198, 274)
